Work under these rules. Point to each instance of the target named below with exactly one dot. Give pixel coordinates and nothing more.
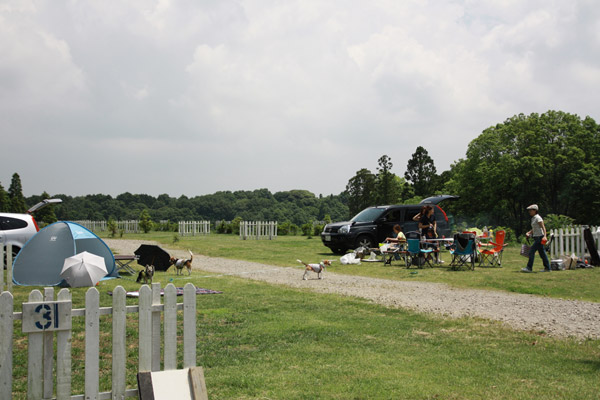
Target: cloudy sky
(191, 97)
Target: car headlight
(344, 229)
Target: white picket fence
(42, 316)
(6, 276)
(569, 240)
(193, 228)
(128, 226)
(258, 230)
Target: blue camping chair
(464, 252)
(415, 254)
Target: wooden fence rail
(193, 228)
(258, 230)
(569, 240)
(42, 316)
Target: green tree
(421, 172)
(361, 191)
(46, 214)
(4, 200)
(387, 192)
(15, 193)
(145, 221)
(550, 159)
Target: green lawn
(578, 284)
(259, 341)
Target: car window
(410, 213)
(394, 215)
(368, 215)
(8, 223)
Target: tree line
(552, 159)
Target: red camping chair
(492, 256)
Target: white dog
(317, 268)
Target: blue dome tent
(41, 260)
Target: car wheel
(365, 241)
(15, 251)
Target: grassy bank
(578, 284)
(259, 341)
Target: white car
(17, 229)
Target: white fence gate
(258, 230)
(42, 316)
(568, 240)
(193, 228)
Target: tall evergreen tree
(361, 191)
(4, 200)
(421, 172)
(385, 181)
(15, 193)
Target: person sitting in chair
(396, 242)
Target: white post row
(41, 316)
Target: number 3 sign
(47, 316)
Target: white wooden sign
(47, 316)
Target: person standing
(538, 232)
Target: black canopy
(150, 254)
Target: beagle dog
(317, 268)
(180, 264)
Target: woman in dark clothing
(428, 228)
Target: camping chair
(491, 256)
(415, 254)
(465, 251)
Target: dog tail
(301, 262)
(191, 255)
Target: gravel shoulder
(556, 317)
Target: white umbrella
(83, 269)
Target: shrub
(307, 229)
(145, 221)
(235, 225)
(294, 229)
(111, 225)
(283, 229)
(554, 221)
(317, 229)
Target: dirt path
(527, 312)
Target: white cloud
(295, 94)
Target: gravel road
(556, 317)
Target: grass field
(578, 284)
(258, 341)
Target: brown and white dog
(317, 268)
(180, 264)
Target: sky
(192, 97)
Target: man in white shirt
(538, 232)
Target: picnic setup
(466, 249)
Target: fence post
(6, 344)
(92, 343)
(170, 327)
(189, 325)
(145, 329)
(2, 268)
(35, 349)
(9, 271)
(155, 328)
(63, 356)
(48, 352)
(119, 350)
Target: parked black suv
(372, 225)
